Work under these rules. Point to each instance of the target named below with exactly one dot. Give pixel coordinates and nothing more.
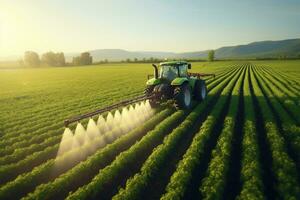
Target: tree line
(50, 58)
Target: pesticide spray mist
(75, 147)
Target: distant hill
(263, 49)
(290, 47)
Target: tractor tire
(148, 92)
(183, 96)
(200, 90)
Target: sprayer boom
(199, 75)
(105, 109)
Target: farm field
(242, 142)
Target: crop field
(241, 142)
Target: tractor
(172, 81)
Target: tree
(211, 55)
(61, 60)
(31, 58)
(135, 59)
(53, 59)
(128, 60)
(84, 59)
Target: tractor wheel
(183, 96)
(148, 92)
(200, 90)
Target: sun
(12, 29)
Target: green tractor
(172, 81)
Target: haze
(161, 25)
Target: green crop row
(284, 97)
(127, 158)
(53, 109)
(9, 172)
(283, 167)
(287, 82)
(290, 130)
(99, 179)
(27, 182)
(178, 184)
(45, 123)
(213, 185)
(24, 139)
(251, 174)
(137, 185)
(21, 153)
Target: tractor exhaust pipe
(155, 71)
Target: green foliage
(125, 159)
(179, 181)
(214, 183)
(31, 58)
(211, 56)
(34, 103)
(84, 59)
(64, 183)
(283, 167)
(53, 59)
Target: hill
(262, 49)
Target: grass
(35, 101)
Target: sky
(142, 25)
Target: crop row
(10, 171)
(284, 97)
(131, 156)
(283, 167)
(137, 185)
(290, 130)
(27, 182)
(213, 185)
(115, 170)
(37, 118)
(177, 187)
(287, 81)
(33, 114)
(44, 113)
(251, 173)
(44, 123)
(97, 185)
(25, 139)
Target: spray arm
(105, 109)
(198, 75)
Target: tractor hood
(153, 81)
(179, 81)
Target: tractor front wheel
(200, 90)
(183, 96)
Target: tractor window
(169, 72)
(183, 70)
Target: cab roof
(173, 63)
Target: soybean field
(241, 142)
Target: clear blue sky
(161, 25)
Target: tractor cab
(172, 70)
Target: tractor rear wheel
(200, 90)
(183, 96)
(149, 92)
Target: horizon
(109, 25)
